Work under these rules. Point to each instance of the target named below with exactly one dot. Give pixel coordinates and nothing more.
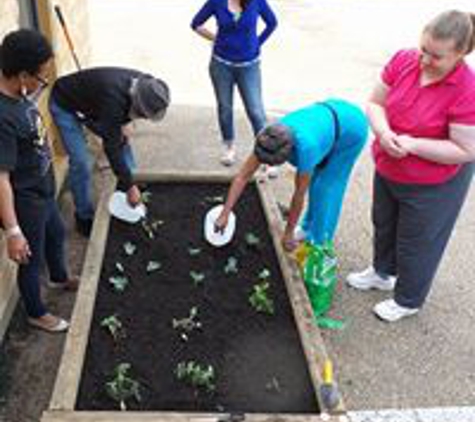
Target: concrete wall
(75, 14)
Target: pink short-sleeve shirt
(423, 111)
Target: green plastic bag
(320, 276)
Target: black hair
(24, 50)
(244, 3)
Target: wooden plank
(69, 373)
(310, 336)
(134, 416)
(184, 177)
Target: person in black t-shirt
(105, 99)
(34, 230)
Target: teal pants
(330, 180)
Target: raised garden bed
(205, 331)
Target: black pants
(412, 225)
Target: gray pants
(412, 225)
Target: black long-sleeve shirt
(101, 100)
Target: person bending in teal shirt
(322, 141)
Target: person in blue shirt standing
(236, 61)
(322, 141)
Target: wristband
(13, 231)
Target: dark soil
(257, 358)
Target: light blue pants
(329, 182)
(80, 162)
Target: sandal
(52, 324)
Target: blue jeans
(248, 80)
(80, 162)
(43, 227)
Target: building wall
(12, 13)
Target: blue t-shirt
(314, 135)
(237, 40)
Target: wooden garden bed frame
(62, 404)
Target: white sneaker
(370, 279)
(388, 310)
(228, 158)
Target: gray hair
(454, 25)
(274, 144)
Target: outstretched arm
(237, 186)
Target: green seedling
(119, 282)
(264, 274)
(273, 385)
(231, 266)
(114, 326)
(252, 240)
(197, 278)
(218, 199)
(260, 300)
(146, 196)
(194, 251)
(153, 266)
(122, 387)
(188, 324)
(196, 375)
(119, 267)
(129, 248)
(151, 227)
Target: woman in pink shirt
(422, 113)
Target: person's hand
(133, 196)
(389, 142)
(288, 242)
(18, 248)
(407, 143)
(221, 223)
(127, 131)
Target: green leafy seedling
(146, 196)
(119, 282)
(188, 324)
(260, 300)
(196, 375)
(129, 248)
(197, 278)
(114, 326)
(231, 266)
(119, 267)
(122, 387)
(252, 240)
(264, 274)
(153, 266)
(194, 251)
(151, 227)
(217, 199)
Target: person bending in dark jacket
(105, 99)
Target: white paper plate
(120, 208)
(214, 237)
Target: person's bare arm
(237, 186)
(17, 245)
(379, 123)
(205, 33)
(458, 149)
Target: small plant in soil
(218, 199)
(122, 387)
(252, 240)
(197, 278)
(231, 266)
(153, 266)
(129, 248)
(119, 282)
(197, 375)
(194, 251)
(188, 324)
(114, 326)
(146, 197)
(260, 300)
(151, 227)
(119, 267)
(264, 274)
